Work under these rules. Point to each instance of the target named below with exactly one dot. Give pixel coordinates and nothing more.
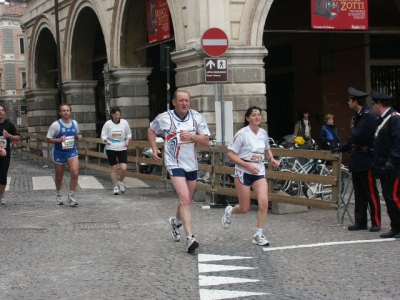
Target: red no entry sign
(214, 42)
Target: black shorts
(4, 165)
(113, 155)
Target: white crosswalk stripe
(89, 182)
(8, 183)
(214, 281)
(84, 182)
(43, 183)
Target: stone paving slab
(46, 252)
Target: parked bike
(147, 152)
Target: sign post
(215, 43)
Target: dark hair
(360, 100)
(3, 106)
(249, 111)
(114, 109)
(64, 104)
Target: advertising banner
(339, 14)
(158, 20)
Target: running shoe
(260, 239)
(227, 218)
(2, 199)
(121, 186)
(191, 244)
(116, 190)
(175, 231)
(59, 200)
(71, 199)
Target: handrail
(33, 145)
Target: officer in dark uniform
(387, 158)
(360, 145)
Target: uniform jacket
(362, 129)
(387, 143)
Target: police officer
(360, 145)
(387, 158)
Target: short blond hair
(328, 116)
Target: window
(21, 46)
(23, 77)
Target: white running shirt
(116, 134)
(177, 153)
(250, 147)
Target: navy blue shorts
(246, 178)
(182, 173)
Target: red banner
(158, 20)
(339, 14)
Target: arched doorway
(137, 52)
(89, 54)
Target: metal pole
(168, 77)
(222, 115)
(59, 86)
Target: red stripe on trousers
(374, 198)
(395, 192)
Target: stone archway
(46, 61)
(85, 53)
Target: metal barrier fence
(34, 146)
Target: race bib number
(256, 156)
(68, 143)
(3, 142)
(116, 135)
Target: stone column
(129, 91)
(42, 109)
(245, 87)
(80, 95)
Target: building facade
(275, 60)
(12, 62)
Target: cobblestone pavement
(120, 247)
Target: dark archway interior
(133, 37)
(136, 52)
(311, 69)
(89, 54)
(46, 61)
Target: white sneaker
(59, 200)
(2, 199)
(175, 231)
(227, 218)
(116, 190)
(260, 239)
(121, 186)
(71, 200)
(191, 244)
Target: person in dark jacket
(328, 136)
(387, 158)
(8, 135)
(360, 145)
(303, 127)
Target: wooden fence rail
(34, 146)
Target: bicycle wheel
(290, 187)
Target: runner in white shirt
(247, 150)
(182, 128)
(116, 134)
